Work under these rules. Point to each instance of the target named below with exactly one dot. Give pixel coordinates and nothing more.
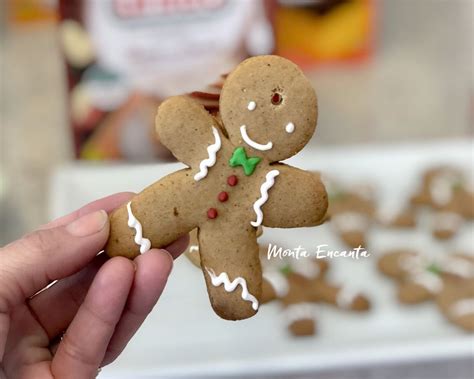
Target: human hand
(85, 320)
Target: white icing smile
(251, 142)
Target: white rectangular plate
(184, 338)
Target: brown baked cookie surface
(233, 183)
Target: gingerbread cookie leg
(154, 218)
(231, 267)
(342, 297)
(300, 318)
(456, 302)
(419, 287)
(299, 310)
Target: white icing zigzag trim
(229, 286)
(426, 279)
(211, 161)
(144, 243)
(463, 307)
(345, 297)
(277, 281)
(300, 311)
(251, 142)
(269, 182)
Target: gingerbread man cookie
(300, 287)
(447, 280)
(234, 183)
(449, 192)
(437, 186)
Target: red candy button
(223, 196)
(232, 180)
(212, 213)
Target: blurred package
(312, 32)
(124, 56)
(28, 11)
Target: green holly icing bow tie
(434, 268)
(239, 158)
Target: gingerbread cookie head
(269, 106)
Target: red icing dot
(276, 98)
(223, 196)
(232, 180)
(212, 213)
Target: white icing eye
(252, 105)
(290, 127)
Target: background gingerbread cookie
(301, 287)
(448, 280)
(351, 211)
(234, 183)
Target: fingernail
(88, 224)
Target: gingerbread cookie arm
(274, 286)
(397, 263)
(231, 267)
(342, 297)
(190, 133)
(297, 198)
(415, 290)
(154, 218)
(269, 292)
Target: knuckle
(76, 352)
(40, 242)
(100, 319)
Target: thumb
(31, 263)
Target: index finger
(108, 204)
